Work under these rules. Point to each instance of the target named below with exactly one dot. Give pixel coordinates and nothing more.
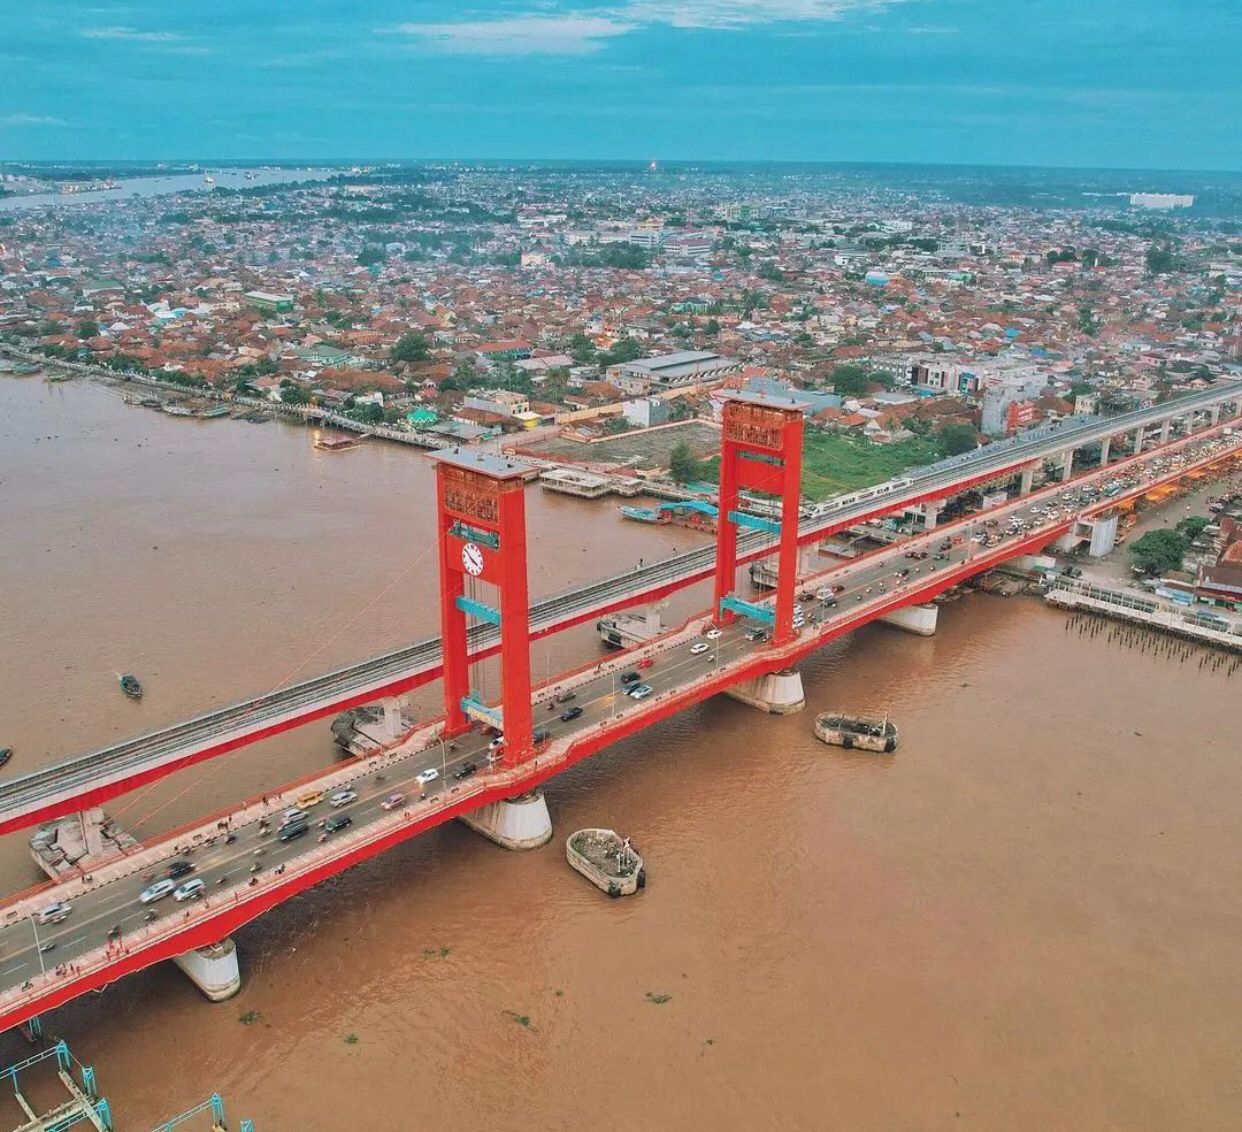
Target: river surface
(1027, 919)
(164, 186)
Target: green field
(833, 463)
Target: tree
(411, 347)
(370, 255)
(1192, 527)
(711, 327)
(613, 426)
(292, 394)
(1158, 552)
(682, 465)
(582, 350)
(623, 350)
(850, 381)
(956, 437)
(88, 328)
(1160, 260)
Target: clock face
(472, 559)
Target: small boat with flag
(866, 732)
(130, 686)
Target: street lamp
(34, 926)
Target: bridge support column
(1136, 445)
(1067, 465)
(213, 969)
(920, 620)
(1103, 534)
(1028, 481)
(1166, 427)
(515, 823)
(1214, 416)
(394, 725)
(778, 693)
(1105, 448)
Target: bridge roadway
(87, 780)
(32, 981)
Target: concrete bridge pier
(213, 969)
(514, 823)
(1103, 533)
(1136, 446)
(1067, 465)
(778, 693)
(917, 619)
(394, 725)
(1028, 480)
(1105, 448)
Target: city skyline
(1126, 85)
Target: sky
(1153, 84)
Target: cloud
(30, 120)
(580, 33)
(132, 35)
(734, 14)
(570, 34)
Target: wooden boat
(130, 686)
(865, 732)
(6, 753)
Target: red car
(646, 662)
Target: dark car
(540, 736)
(296, 829)
(942, 557)
(179, 869)
(565, 697)
(630, 677)
(465, 771)
(337, 821)
(571, 713)
(917, 555)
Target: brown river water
(1029, 918)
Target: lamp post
(34, 926)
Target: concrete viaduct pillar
(1105, 448)
(1028, 481)
(1136, 445)
(1067, 465)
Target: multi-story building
(668, 371)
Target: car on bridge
(425, 776)
(630, 677)
(156, 891)
(290, 817)
(342, 798)
(713, 634)
(337, 821)
(392, 801)
(699, 647)
(54, 913)
(465, 770)
(295, 829)
(309, 799)
(191, 890)
(179, 869)
(639, 691)
(571, 713)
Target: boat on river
(6, 753)
(865, 732)
(130, 686)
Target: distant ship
(131, 687)
(208, 180)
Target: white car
(496, 743)
(343, 798)
(191, 890)
(428, 775)
(699, 647)
(54, 913)
(157, 891)
(713, 634)
(294, 815)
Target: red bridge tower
(481, 527)
(762, 451)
